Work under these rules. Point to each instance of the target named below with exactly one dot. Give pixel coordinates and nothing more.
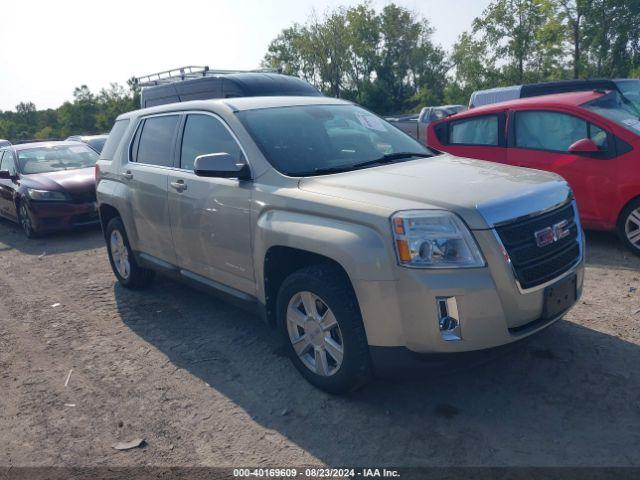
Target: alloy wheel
(632, 228)
(119, 254)
(25, 220)
(315, 334)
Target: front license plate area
(559, 297)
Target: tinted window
(554, 131)
(156, 140)
(114, 138)
(475, 131)
(205, 134)
(97, 143)
(309, 140)
(7, 163)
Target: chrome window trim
(179, 113)
(571, 269)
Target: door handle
(128, 175)
(179, 185)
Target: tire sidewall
(116, 224)
(23, 204)
(635, 204)
(345, 310)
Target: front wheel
(629, 226)
(123, 263)
(320, 319)
(25, 219)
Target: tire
(25, 220)
(123, 263)
(318, 342)
(629, 226)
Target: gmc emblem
(552, 234)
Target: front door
(541, 139)
(8, 187)
(211, 217)
(147, 173)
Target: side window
(8, 163)
(205, 134)
(599, 137)
(156, 141)
(475, 131)
(552, 131)
(114, 138)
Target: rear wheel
(25, 219)
(321, 322)
(123, 263)
(629, 226)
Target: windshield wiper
(388, 158)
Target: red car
(592, 139)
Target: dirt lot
(206, 384)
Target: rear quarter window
(114, 139)
(475, 131)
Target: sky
(49, 47)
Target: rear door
(8, 187)
(541, 139)
(479, 136)
(150, 162)
(210, 217)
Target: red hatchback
(592, 139)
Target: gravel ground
(208, 385)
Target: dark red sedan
(48, 186)
(592, 139)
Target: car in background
(629, 89)
(94, 141)
(416, 124)
(4, 143)
(592, 139)
(47, 186)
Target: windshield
(631, 90)
(613, 107)
(315, 139)
(97, 143)
(53, 158)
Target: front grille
(536, 265)
(86, 196)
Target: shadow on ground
(86, 238)
(569, 396)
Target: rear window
(155, 145)
(475, 131)
(114, 138)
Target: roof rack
(187, 73)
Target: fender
(359, 249)
(115, 193)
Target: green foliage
(385, 61)
(86, 114)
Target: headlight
(434, 239)
(46, 195)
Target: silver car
(361, 245)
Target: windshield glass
(314, 139)
(53, 158)
(631, 90)
(97, 143)
(613, 107)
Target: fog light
(448, 319)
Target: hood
(74, 181)
(482, 193)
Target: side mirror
(221, 165)
(5, 175)
(584, 145)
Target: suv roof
(201, 83)
(501, 94)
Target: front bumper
(52, 216)
(493, 310)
